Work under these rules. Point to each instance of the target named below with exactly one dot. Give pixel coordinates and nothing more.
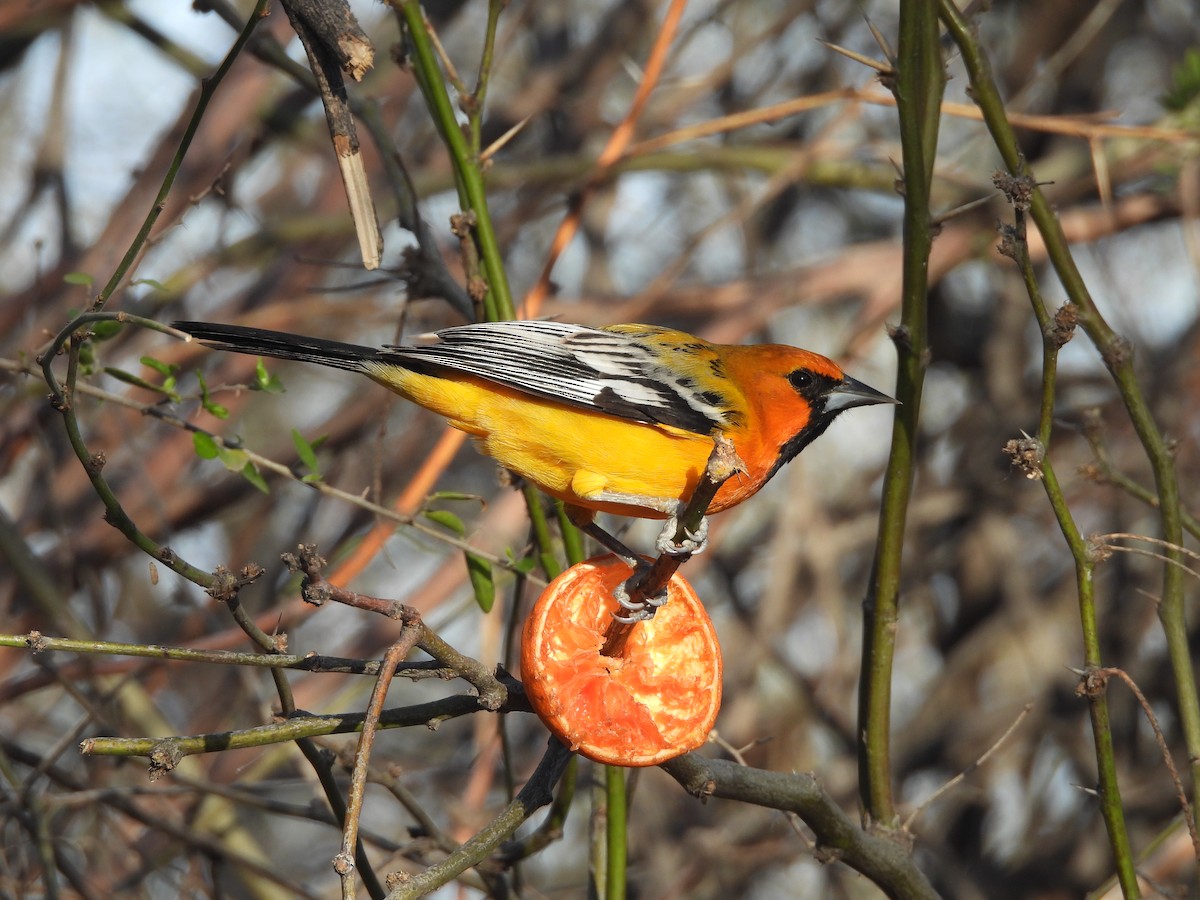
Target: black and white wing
(622, 372)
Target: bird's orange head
(793, 395)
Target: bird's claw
(642, 615)
(639, 610)
(693, 542)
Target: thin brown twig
(315, 589)
(537, 792)
(958, 779)
(344, 862)
(613, 150)
(1084, 127)
(1095, 680)
(1128, 536)
(1138, 551)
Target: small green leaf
(525, 565)
(159, 366)
(233, 460)
(311, 478)
(1185, 83)
(447, 520)
(252, 475)
(304, 450)
(87, 358)
(479, 571)
(166, 388)
(264, 380)
(210, 405)
(82, 278)
(452, 495)
(206, 447)
(102, 331)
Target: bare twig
(885, 861)
(957, 779)
(538, 792)
(344, 862)
(1095, 680)
(335, 44)
(315, 589)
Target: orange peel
(656, 701)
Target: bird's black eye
(801, 380)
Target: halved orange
(656, 701)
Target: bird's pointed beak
(852, 392)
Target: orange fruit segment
(656, 701)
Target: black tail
(280, 344)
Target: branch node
(96, 462)
(1027, 454)
(1092, 683)
(164, 758)
(1010, 241)
(1065, 320)
(225, 584)
(1116, 353)
(1098, 550)
(1018, 190)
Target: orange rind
(656, 701)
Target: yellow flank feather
(573, 454)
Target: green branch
(468, 175)
(1031, 456)
(1117, 354)
(919, 79)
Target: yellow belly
(570, 453)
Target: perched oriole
(619, 419)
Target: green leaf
(524, 565)
(453, 495)
(210, 405)
(304, 450)
(1185, 83)
(252, 475)
(102, 331)
(166, 388)
(264, 380)
(447, 520)
(82, 278)
(162, 368)
(87, 358)
(205, 446)
(233, 460)
(479, 571)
